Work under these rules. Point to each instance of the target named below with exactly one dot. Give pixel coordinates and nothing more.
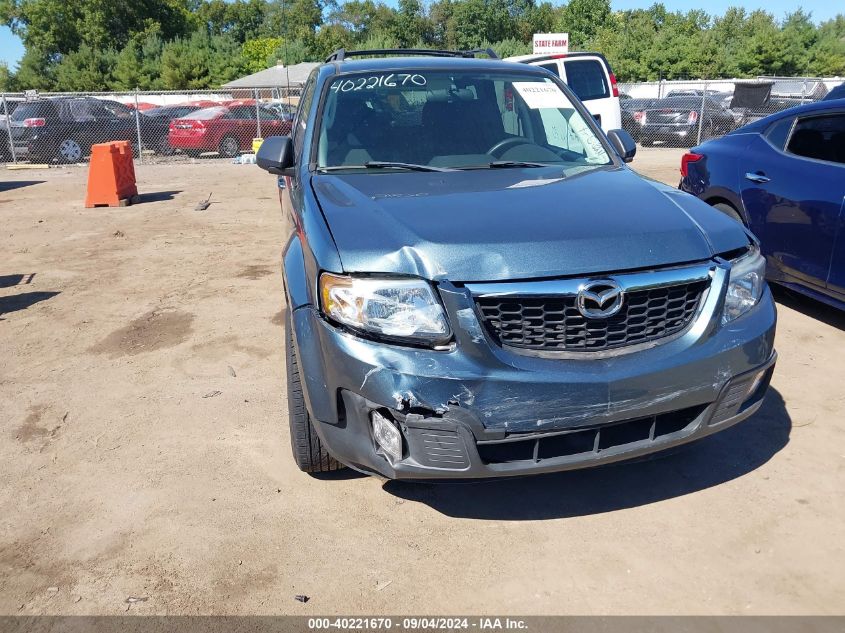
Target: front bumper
(480, 410)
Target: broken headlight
(403, 309)
(747, 281)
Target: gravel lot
(145, 449)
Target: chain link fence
(686, 113)
(52, 129)
(203, 125)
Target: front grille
(553, 323)
(639, 431)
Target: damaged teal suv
(479, 286)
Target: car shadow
(808, 306)
(709, 462)
(23, 300)
(8, 185)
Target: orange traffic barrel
(111, 176)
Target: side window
(302, 113)
(243, 113)
(778, 131)
(819, 137)
(552, 66)
(587, 79)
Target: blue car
(784, 178)
(479, 286)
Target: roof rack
(340, 54)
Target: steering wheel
(506, 144)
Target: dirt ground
(144, 449)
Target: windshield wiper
(504, 164)
(384, 164)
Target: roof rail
(340, 54)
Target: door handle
(757, 177)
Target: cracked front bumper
(479, 410)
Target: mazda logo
(599, 299)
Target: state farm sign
(551, 43)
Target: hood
(501, 224)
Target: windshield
(453, 120)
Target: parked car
(227, 131)
(677, 120)
(62, 129)
(633, 115)
(155, 125)
(154, 130)
(784, 178)
(5, 147)
(685, 92)
(836, 93)
(478, 286)
(590, 78)
(755, 100)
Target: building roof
(276, 77)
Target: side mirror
(623, 144)
(276, 155)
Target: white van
(590, 78)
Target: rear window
(209, 113)
(38, 110)
(587, 78)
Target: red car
(226, 130)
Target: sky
(11, 48)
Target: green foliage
(157, 44)
(139, 64)
(292, 52)
(201, 61)
(257, 53)
(583, 19)
(86, 69)
(5, 78)
(511, 47)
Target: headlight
(748, 274)
(398, 308)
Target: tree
(241, 19)
(329, 38)
(292, 52)
(201, 61)
(363, 17)
(828, 56)
(58, 27)
(257, 53)
(295, 19)
(5, 77)
(411, 24)
(138, 64)
(36, 70)
(583, 19)
(474, 22)
(86, 69)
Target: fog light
(755, 384)
(387, 436)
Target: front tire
(729, 211)
(308, 451)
